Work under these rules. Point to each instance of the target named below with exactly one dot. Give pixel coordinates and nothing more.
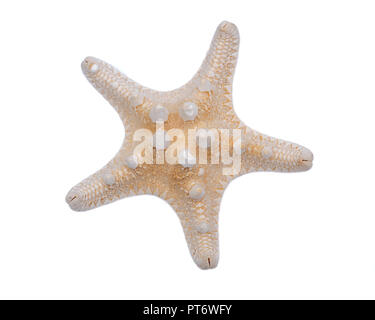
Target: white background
(306, 73)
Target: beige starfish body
(194, 190)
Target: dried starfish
(193, 190)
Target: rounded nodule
(206, 262)
(307, 158)
(90, 65)
(73, 199)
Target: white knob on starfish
(94, 68)
(131, 162)
(188, 111)
(202, 227)
(196, 192)
(186, 159)
(90, 65)
(204, 85)
(267, 152)
(159, 113)
(109, 179)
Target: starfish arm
(113, 182)
(219, 65)
(199, 220)
(124, 94)
(265, 153)
(217, 70)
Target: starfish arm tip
(206, 260)
(228, 27)
(74, 199)
(265, 153)
(120, 91)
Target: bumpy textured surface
(194, 191)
